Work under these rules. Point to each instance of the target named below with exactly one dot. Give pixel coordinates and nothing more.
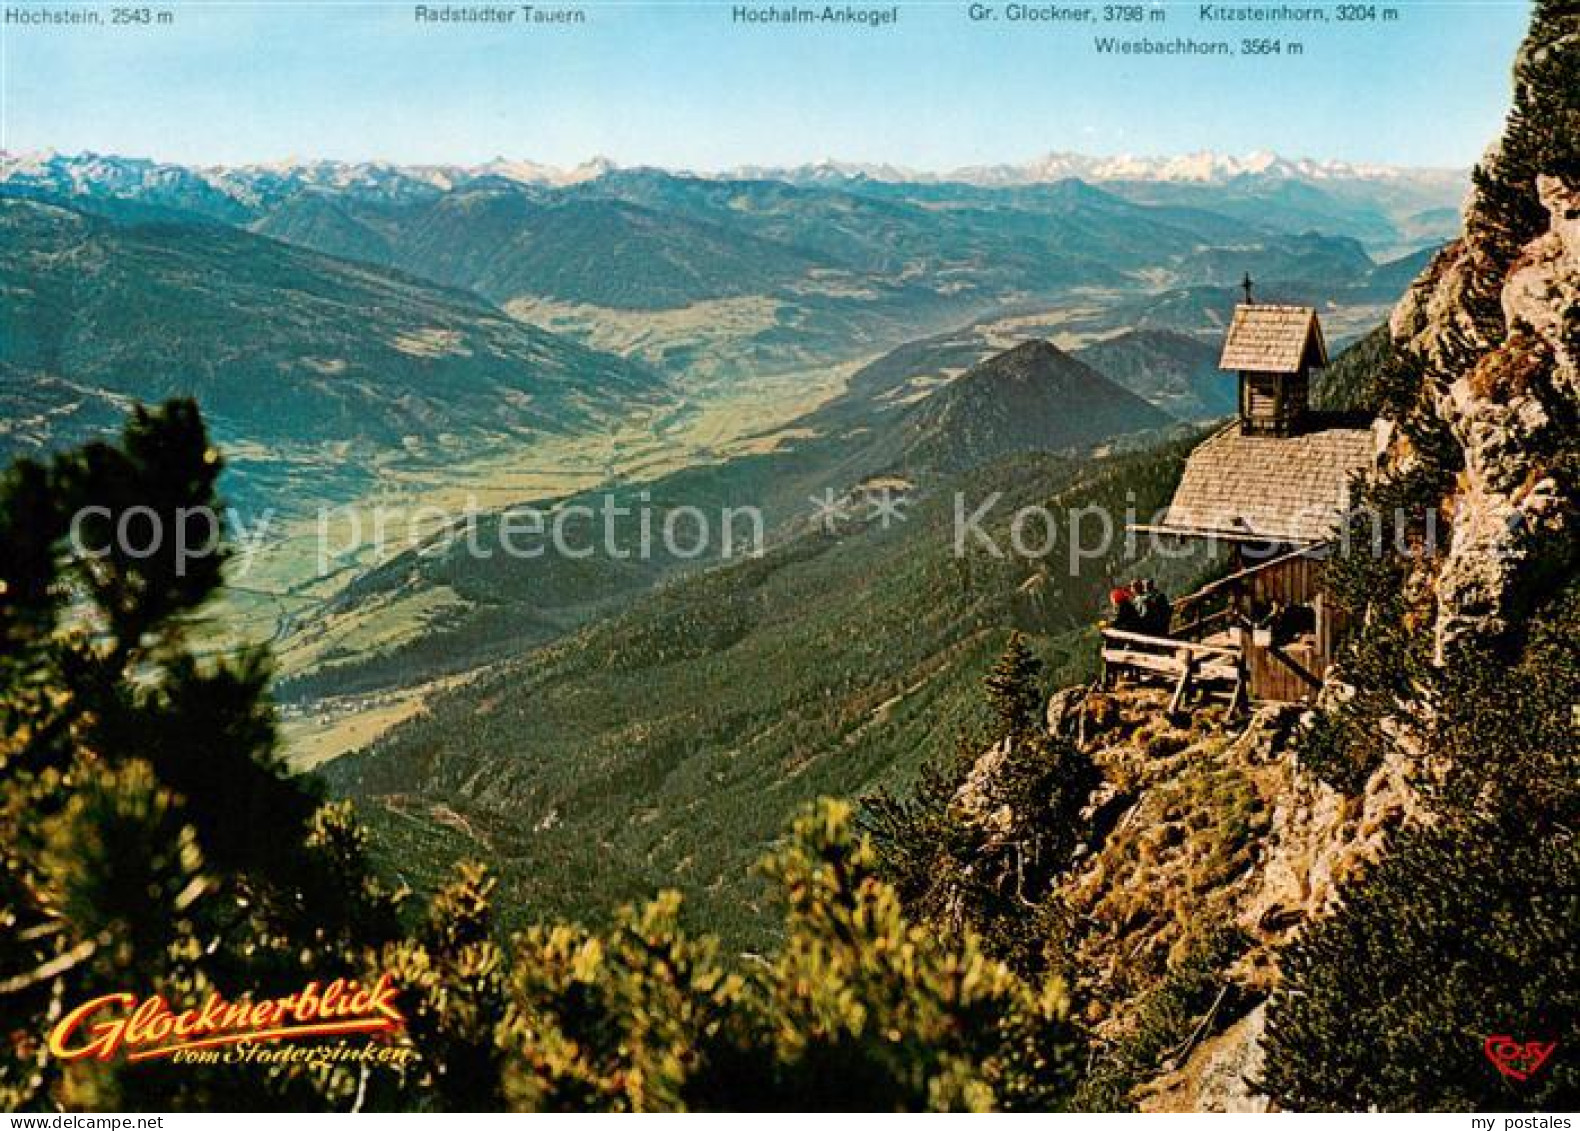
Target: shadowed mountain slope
(504, 243)
(280, 345)
(1173, 371)
(1030, 398)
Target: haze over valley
(434, 342)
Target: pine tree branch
(60, 964)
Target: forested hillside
(903, 425)
(667, 746)
(297, 358)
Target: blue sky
(673, 83)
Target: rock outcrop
(1512, 519)
(1200, 828)
(1494, 325)
(1221, 1076)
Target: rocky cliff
(1211, 844)
(1510, 412)
(1493, 329)
(1206, 834)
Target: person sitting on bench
(1153, 610)
(1126, 616)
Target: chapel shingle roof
(1283, 488)
(1265, 338)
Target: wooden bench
(1187, 664)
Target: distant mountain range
(714, 279)
(425, 310)
(1388, 206)
(1204, 167)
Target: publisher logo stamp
(1518, 1060)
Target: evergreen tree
(1464, 933)
(454, 977)
(860, 1008)
(150, 840)
(976, 848)
(874, 1009)
(1467, 928)
(1542, 136)
(916, 836)
(1013, 689)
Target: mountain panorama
(315, 305)
(1092, 635)
(1204, 167)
